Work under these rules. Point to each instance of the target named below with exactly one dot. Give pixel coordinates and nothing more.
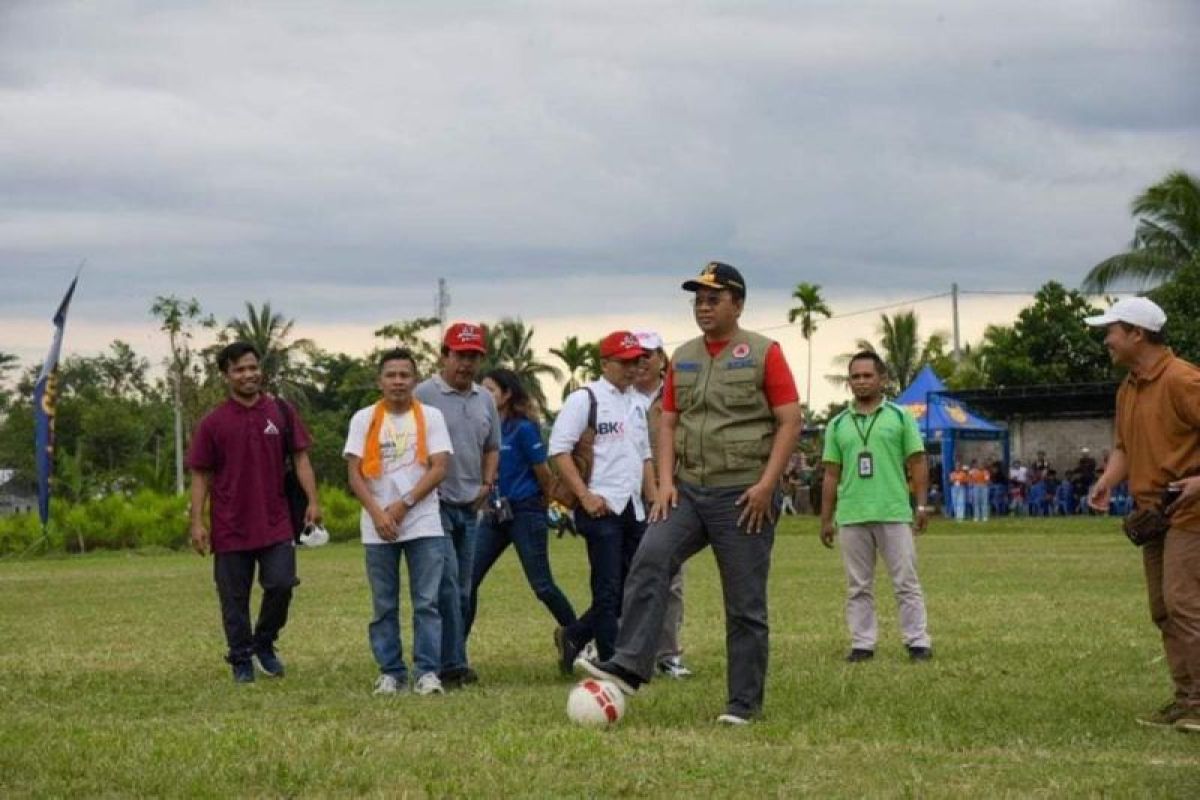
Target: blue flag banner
(45, 394)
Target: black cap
(716, 275)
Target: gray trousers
(668, 639)
(894, 541)
(704, 517)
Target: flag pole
(45, 401)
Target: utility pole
(441, 301)
(954, 310)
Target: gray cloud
(326, 156)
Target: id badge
(866, 465)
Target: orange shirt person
(979, 478)
(959, 478)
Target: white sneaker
(589, 652)
(673, 667)
(428, 684)
(388, 684)
(732, 720)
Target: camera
(500, 510)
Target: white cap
(1140, 311)
(649, 340)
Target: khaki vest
(725, 427)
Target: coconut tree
(1167, 237)
(270, 333)
(510, 345)
(811, 306)
(582, 360)
(901, 349)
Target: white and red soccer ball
(594, 702)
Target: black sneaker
(457, 678)
(568, 651)
(243, 671)
(269, 664)
(858, 655)
(625, 680)
(920, 653)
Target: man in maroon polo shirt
(237, 461)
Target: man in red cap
(730, 421)
(610, 515)
(474, 424)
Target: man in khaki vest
(731, 418)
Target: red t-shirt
(778, 383)
(242, 447)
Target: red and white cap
(466, 336)
(621, 345)
(649, 340)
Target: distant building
(14, 498)
(1057, 418)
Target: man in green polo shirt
(867, 449)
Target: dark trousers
(234, 575)
(527, 533)
(704, 517)
(611, 542)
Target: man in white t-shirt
(396, 454)
(611, 515)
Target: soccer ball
(594, 702)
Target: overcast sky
(571, 162)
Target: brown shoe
(1164, 717)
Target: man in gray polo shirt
(474, 425)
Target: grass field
(111, 684)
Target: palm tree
(1167, 236)
(811, 305)
(269, 332)
(510, 346)
(582, 360)
(901, 349)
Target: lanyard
(866, 436)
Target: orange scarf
(372, 460)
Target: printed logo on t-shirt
(271, 430)
(610, 429)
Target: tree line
(116, 422)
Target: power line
(872, 309)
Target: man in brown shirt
(1157, 446)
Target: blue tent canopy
(944, 419)
(935, 412)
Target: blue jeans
(527, 533)
(979, 501)
(958, 498)
(458, 521)
(424, 558)
(611, 542)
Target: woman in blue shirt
(523, 485)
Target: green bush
(145, 519)
(340, 510)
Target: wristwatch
(924, 509)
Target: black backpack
(293, 492)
